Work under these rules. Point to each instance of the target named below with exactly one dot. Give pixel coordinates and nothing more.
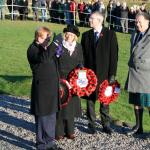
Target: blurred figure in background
(131, 22)
(2, 9)
(124, 17)
(42, 4)
(81, 7)
(35, 8)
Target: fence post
(110, 17)
(12, 11)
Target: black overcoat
(66, 64)
(45, 85)
(101, 57)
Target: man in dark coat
(101, 55)
(44, 92)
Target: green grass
(15, 74)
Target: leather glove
(46, 42)
(111, 79)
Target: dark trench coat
(44, 92)
(66, 64)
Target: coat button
(139, 57)
(137, 67)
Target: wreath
(64, 92)
(83, 81)
(108, 93)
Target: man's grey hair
(144, 14)
(98, 14)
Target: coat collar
(145, 37)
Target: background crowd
(119, 16)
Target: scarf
(69, 46)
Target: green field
(15, 74)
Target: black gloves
(46, 42)
(111, 79)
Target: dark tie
(96, 36)
(138, 38)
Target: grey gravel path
(17, 131)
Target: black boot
(138, 128)
(105, 118)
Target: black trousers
(104, 113)
(64, 127)
(45, 131)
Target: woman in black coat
(70, 58)
(44, 92)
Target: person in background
(70, 58)
(2, 9)
(124, 17)
(67, 12)
(110, 14)
(138, 83)
(44, 91)
(73, 11)
(61, 15)
(117, 13)
(143, 8)
(23, 9)
(81, 6)
(35, 8)
(100, 53)
(131, 22)
(42, 4)
(54, 11)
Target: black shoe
(55, 147)
(92, 129)
(107, 130)
(135, 130)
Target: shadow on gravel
(120, 129)
(6, 118)
(17, 104)
(142, 136)
(15, 140)
(83, 127)
(17, 107)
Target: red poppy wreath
(64, 92)
(83, 81)
(108, 93)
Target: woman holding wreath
(69, 54)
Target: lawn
(15, 74)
